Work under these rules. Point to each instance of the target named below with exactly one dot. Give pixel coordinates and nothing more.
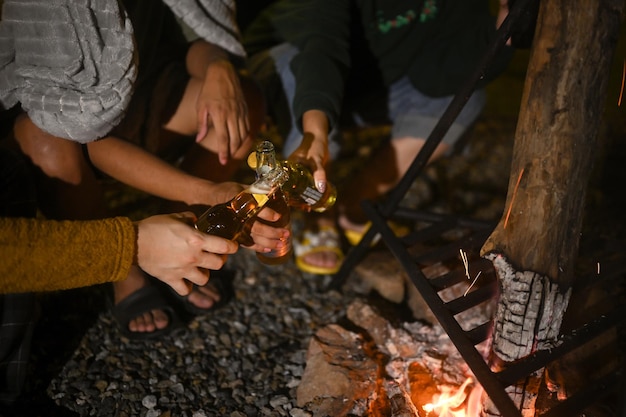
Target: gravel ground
(244, 359)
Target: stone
(338, 372)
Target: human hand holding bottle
(170, 249)
(313, 150)
(264, 236)
(236, 218)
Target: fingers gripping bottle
(266, 162)
(299, 188)
(229, 219)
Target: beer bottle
(266, 162)
(228, 220)
(299, 189)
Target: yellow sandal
(326, 239)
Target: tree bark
(535, 245)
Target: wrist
(136, 248)
(315, 122)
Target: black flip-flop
(222, 281)
(141, 301)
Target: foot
(147, 322)
(157, 319)
(204, 297)
(353, 231)
(318, 251)
(324, 259)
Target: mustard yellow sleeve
(46, 255)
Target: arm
(320, 68)
(144, 171)
(140, 169)
(49, 255)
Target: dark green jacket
(436, 43)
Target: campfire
(375, 365)
(380, 370)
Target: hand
(313, 151)
(170, 249)
(222, 105)
(265, 236)
(221, 191)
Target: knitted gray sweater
(71, 65)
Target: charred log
(535, 244)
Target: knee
(55, 157)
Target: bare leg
(69, 189)
(379, 177)
(67, 186)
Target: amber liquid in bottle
(301, 191)
(229, 220)
(266, 161)
(299, 188)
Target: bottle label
(311, 195)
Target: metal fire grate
(446, 236)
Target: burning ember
(456, 402)
(410, 371)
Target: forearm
(315, 123)
(314, 146)
(140, 169)
(47, 255)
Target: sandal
(221, 280)
(354, 237)
(143, 300)
(326, 239)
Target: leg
(71, 191)
(414, 116)
(66, 184)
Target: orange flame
(449, 402)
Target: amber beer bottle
(300, 190)
(266, 162)
(228, 220)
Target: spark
(508, 213)
(473, 282)
(621, 92)
(598, 268)
(465, 263)
(467, 274)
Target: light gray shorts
(409, 112)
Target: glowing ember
(450, 402)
